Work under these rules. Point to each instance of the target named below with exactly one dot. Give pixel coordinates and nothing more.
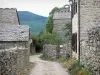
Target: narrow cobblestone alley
(46, 67)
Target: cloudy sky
(41, 7)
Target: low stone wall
(56, 51)
(90, 51)
(13, 61)
(8, 63)
(65, 50)
(14, 56)
(50, 51)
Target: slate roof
(14, 33)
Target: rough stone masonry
(14, 50)
(57, 51)
(9, 16)
(60, 19)
(14, 43)
(90, 53)
(90, 34)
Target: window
(61, 11)
(74, 42)
(74, 7)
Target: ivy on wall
(49, 25)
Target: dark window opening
(74, 42)
(61, 11)
(74, 8)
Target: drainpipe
(79, 28)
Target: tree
(49, 25)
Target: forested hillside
(36, 22)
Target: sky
(40, 7)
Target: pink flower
(74, 57)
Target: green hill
(36, 22)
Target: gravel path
(46, 67)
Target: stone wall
(14, 43)
(89, 16)
(56, 51)
(51, 51)
(89, 46)
(64, 13)
(14, 56)
(90, 51)
(14, 49)
(8, 16)
(65, 50)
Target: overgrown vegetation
(74, 67)
(47, 58)
(46, 36)
(49, 25)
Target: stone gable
(8, 16)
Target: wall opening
(74, 42)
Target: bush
(62, 60)
(48, 38)
(67, 63)
(84, 71)
(74, 67)
(49, 24)
(47, 58)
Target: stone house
(14, 43)
(85, 17)
(60, 19)
(9, 16)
